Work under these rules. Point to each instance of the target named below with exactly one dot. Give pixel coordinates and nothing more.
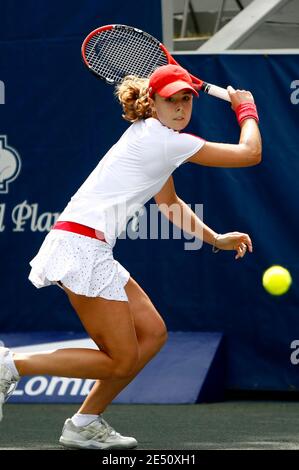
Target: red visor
(170, 79)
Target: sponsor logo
(10, 164)
(294, 357)
(24, 215)
(46, 389)
(295, 94)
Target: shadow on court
(227, 425)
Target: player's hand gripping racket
(114, 51)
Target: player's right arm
(248, 152)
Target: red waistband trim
(80, 229)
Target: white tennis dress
(129, 175)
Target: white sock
(10, 363)
(80, 419)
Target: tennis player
(77, 254)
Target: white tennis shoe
(8, 381)
(96, 435)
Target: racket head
(113, 51)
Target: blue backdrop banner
(56, 123)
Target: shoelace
(110, 430)
(104, 431)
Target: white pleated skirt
(84, 265)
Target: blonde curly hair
(132, 94)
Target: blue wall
(61, 120)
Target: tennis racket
(111, 52)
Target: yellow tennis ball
(277, 280)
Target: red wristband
(246, 110)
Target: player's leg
(151, 335)
(110, 324)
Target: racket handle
(215, 90)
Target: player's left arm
(180, 214)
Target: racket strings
(112, 56)
(115, 53)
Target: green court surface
(260, 425)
